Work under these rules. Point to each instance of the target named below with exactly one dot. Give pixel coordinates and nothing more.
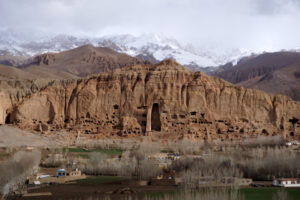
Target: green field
(99, 179)
(249, 193)
(267, 193)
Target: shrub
(15, 171)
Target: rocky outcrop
(14, 92)
(165, 98)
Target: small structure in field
(173, 156)
(42, 176)
(293, 143)
(63, 172)
(59, 176)
(287, 182)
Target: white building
(294, 142)
(287, 182)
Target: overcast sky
(224, 24)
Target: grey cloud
(219, 24)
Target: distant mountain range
(146, 47)
(71, 64)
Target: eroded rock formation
(165, 97)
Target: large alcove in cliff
(7, 119)
(155, 118)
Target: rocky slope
(282, 81)
(165, 98)
(271, 72)
(83, 61)
(32, 73)
(9, 73)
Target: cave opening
(7, 119)
(155, 118)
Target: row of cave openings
(155, 118)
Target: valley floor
(99, 191)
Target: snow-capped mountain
(160, 47)
(148, 46)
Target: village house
(63, 172)
(59, 176)
(173, 156)
(287, 182)
(293, 143)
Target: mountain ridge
(84, 60)
(271, 72)
(150, 46)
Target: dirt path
(14, 137)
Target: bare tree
(16, 170)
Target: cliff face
(12, 92)
(167, 98)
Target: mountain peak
(170, 64)
(152, 47)
(85, 60)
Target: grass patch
(75, 150)
(167, 151)
(99, 179)
(267, 193)
(248, 193)
(82, 155)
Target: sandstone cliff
(166, 98)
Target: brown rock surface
(282, 81)
(84, 60)
(32, 73)
(165, 98)
(274, 73)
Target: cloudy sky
(224, 24)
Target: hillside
(251, 67)
(9, 72)
(84, 60)
(32, 73)
(285, 81)
(270, 72)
